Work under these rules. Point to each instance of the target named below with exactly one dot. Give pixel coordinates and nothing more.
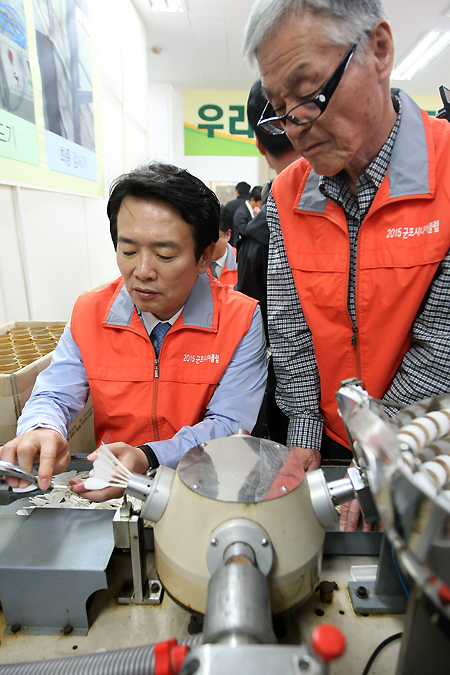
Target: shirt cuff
(305, 432)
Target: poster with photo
(50, 97)
(18, 133)
(64, 56)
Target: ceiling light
(425, 52)
(167, 5)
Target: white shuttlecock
(107, 471)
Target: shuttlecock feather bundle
(107, 471)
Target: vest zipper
(155, 396)
(354, 334)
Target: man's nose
(145, 268)
(294, 131)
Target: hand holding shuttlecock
(109, 472)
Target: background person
(246, 212)
(158, 393)
(358, 275)
(242, 193)
(223, 265)
(254, 245)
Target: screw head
(264, 542)
(362, 592)
(285, 488)
(195, 486)
(214, 542)
(303, 663)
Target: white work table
(115, 626)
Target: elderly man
(358, 278)
(171, 357)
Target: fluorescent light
(425, 52)
(167, 5)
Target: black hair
(196, 203)
(278, 145)
(256, 193)
(243, 188)
(224, 225)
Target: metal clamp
(239, 530)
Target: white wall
(54, 246)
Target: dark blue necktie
(158, 333)
(213, 267)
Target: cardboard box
(15, 390)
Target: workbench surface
(115, 626)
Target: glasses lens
(274, 126)
(305, 112)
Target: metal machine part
(386, 594)
(128, 534)
(322, 496)
(238, 607)
(44, 585)
(257, 485)
(153, 490)
(217, 659)
(415, 512)
(242, 531)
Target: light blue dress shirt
(62, 389)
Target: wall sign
(215, 123)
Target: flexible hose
(132, 661)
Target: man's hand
(132, 458)
(51, 448)
(350, 513)
(310, 458)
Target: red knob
(162, 662)
(444, 594)
(327, 641)
(178, 655)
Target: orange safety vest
(229, 274)
(401, 242)
(136, 397)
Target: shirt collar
(150, 320)
(221, 261)
(247, 204)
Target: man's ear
(260, 146)
(382, 44)
(206, 258)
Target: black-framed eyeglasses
(309, 110)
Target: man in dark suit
(242, 193)
(246, 212)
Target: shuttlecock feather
(107, 471)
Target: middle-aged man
(204, 379)
(358, 275)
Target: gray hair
(345, 21)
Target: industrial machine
(239, 531)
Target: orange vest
(229, 274)
(138, 399)
(401, 243)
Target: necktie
(213, 268)
(158, 333)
